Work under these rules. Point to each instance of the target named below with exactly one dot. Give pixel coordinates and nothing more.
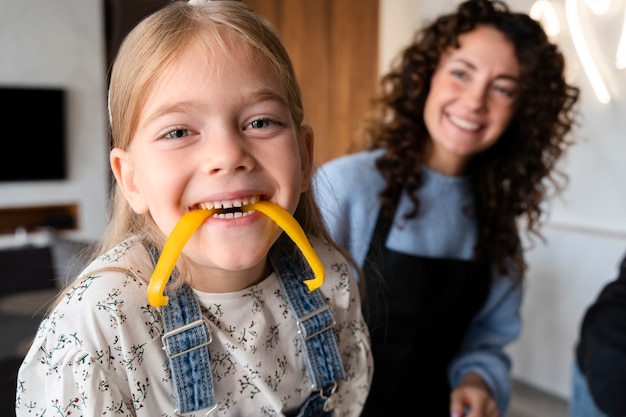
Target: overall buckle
(202, 322)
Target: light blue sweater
(347, 190)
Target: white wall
(586, 232)
(61, 43)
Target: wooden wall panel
(334, 48)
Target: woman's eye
(506, 91)
(177, 133)
(458, 73)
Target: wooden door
(334, 48)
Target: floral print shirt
(99, 351)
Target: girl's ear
(122, 168)
(306, 155)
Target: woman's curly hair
(510, 179)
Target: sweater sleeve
(347, 191)
(601, 351)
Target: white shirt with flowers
(99, 352)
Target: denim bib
(187, 337)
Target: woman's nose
(226, 152)
(476, 97)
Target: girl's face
(216, 131)
(471, 100)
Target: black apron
(418, 310)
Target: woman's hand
(472, 398)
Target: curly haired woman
(471, 122)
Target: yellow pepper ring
(193, 219)
(286, 222)
(171, 251)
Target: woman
(472, 120)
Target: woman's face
(216, 131)
(471, 100)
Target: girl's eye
(177, 133)
(261, 123)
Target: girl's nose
(226, 152)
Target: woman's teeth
(464, 124)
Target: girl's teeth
(229, 204)
(232, 215)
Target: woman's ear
(307, 139)
(122, 168)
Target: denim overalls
(187, 337)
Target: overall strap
(186, 341)
(315, 320)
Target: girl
(205, 112)
(472, 121)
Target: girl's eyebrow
(179, 107)
(186, 106)
(267, 95)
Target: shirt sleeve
(346, 192)
(483, 348)
(93, 352)
(70, 383)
